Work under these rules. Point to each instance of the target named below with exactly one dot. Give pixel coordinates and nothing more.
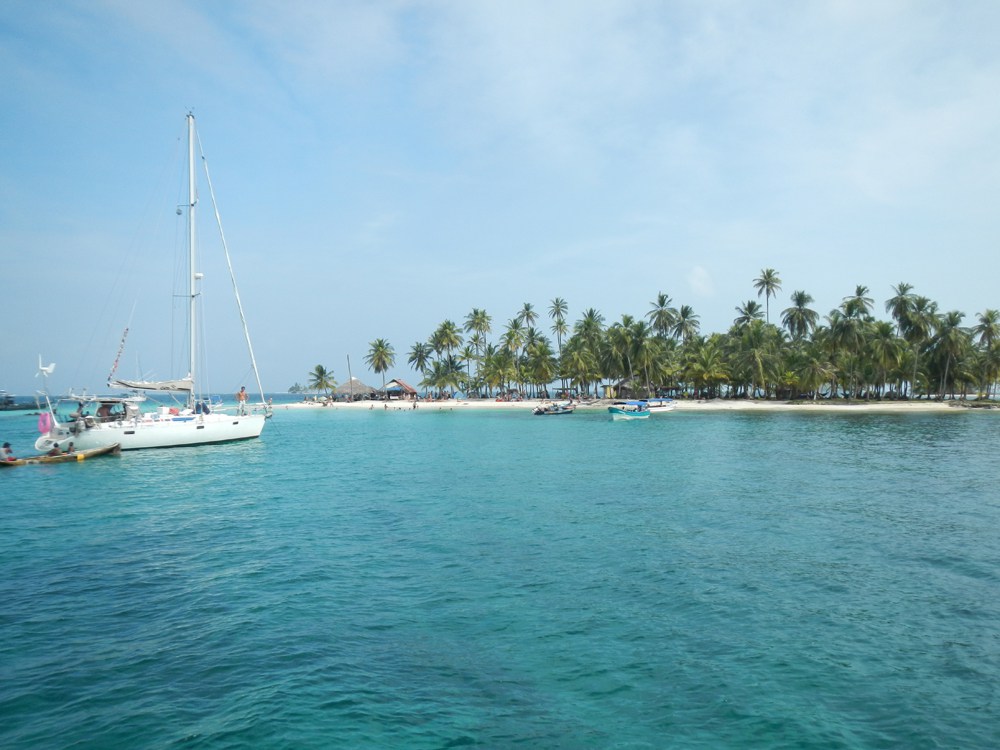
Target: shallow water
(491, 579)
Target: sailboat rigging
(97, 421)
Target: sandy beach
(715, 405)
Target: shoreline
(714, 405)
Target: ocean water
(443, 579)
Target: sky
(381, 167)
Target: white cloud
(561, 77)
(699, 281)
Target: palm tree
(589, 328)
(757, 354)
(513, 339)
(420, 357)
(453, 373)
(527, 316)
(499, 367)
(557, 311)
(687, 324)
(532, 339)
(858, 305)
(380, 358)
(917, 325)
(885, 350)
(540, 362)
(812, 368)
(513, 335)
(900, 304)
(991, 368)
(446, 337)
(443, 373)
(748, 311)
(321, 379)
(799, 319)
(706, 367)
(647, 353)
(918, 350)
(949, 344)
(846, 340)
(662, 315)
(987, 328)
(478, 322)
(579, 364)
(468, 355)
(767, 284)
(620, 341)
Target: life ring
(44, 422)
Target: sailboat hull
(135, 434)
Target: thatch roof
(399, 385)
(354, 386)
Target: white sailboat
(97, 421)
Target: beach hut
(397, 389)
(353, 389)
(627, 388)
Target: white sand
(743, 405)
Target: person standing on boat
(241, 400)
(6, 454)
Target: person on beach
(241, 400)
(6, 454)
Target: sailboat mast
(193, 289)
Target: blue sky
(384, 166)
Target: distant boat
(629, 410)
(9, 402)
(551, 409)
(63, 458)
(96, 422)
(660, 404)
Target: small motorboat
(550, 409)
(660, 404)
(629, 410)
(62, 458)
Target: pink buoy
(44, 422)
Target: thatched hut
(397, 389)
(353, 390)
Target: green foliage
(321, 379)
(918, 353)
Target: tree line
(916, 352)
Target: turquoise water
(448, 579)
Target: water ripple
(450, 580)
